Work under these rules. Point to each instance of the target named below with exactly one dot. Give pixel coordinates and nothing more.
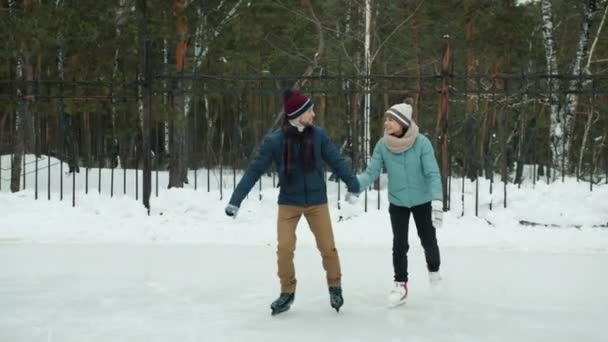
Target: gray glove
(351, 198)
(232, 210)
(437, 213)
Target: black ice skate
(335, 298)
(283, 303)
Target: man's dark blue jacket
(301, 189)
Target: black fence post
(61, 137)
(47, 149)
(222, 180)
(491, 135)
(477, 167)
(87, 166)
(146, 89)
(73, 188)
(194, 143)
(123, 163)
(592, 140)
(441, 131)
(524, 133)
(143, 85)
(533, 139)
(606, 165)
(36, 154)
(505, 175)
(137, 178)
(157, 156)
(449, 204)
(24, 167)
(591, 162)
(1, 143)
(99, 149)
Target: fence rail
(499, 125)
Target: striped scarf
(293, 140)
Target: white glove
(232, 210)
(437, 213)
(351, 198)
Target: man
(298, 150)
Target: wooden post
(441, 130)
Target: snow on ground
(183, 292)
(106, 271)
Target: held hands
(437, 213)
(232, 210)
(351, 198)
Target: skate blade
(399, 303)
(279, 311)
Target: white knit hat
(402, 113)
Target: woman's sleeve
(372, 172)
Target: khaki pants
(320, 225)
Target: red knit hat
(295, 104)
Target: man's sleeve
(331, 155)
(254, 171)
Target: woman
(414, 186)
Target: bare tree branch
(320, 47)
(395, 30)
(291, 52)
(594, 44)
(325, 28)
(313, 64)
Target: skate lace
(335, 295)
(283, 299)
(434, 277)
(399, 288)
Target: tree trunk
(178, 155)
(121, 17)
(485, 139)
(86, 137)
(522, 146)
(356, 136)
(126, 145)
(556, 127)
(73, 143)
(572, 99)
(16, 162)
(367, 82)
(3, 120)
(586, 137)
(210, 132)
(441, 128)
(238, 130)
(23, 141)
(165, 126)
(417, 96)
(471, 163)
(114, 111)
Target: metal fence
(498, 126)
